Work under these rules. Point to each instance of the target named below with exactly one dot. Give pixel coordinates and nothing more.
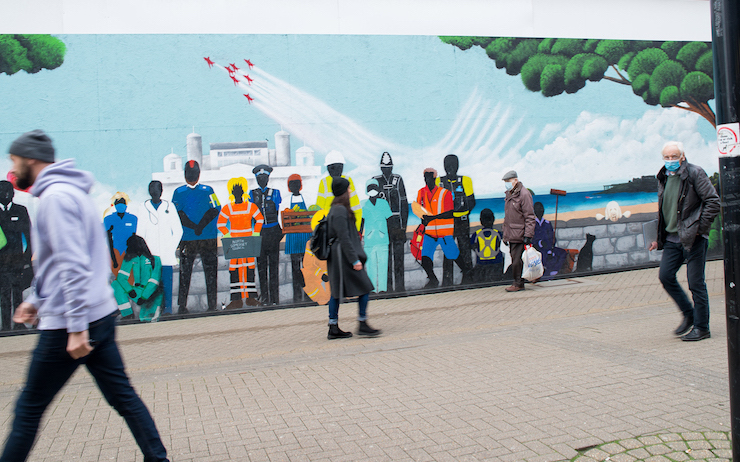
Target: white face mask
(372, 193)
(508, 185)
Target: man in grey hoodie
(72, 300)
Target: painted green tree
(669, 74)
(30, 53)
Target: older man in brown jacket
(519, 222)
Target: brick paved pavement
(468, 375)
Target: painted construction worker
(438, 224)
(146, 290)
(463, 198)
(160, 227)
(197, 207)
(119, 225)
(486, 243)
(295, 243)
(240, 218)
(376, 212)
(15, 260)
(268, 201)
(334, 167)
(393, 191)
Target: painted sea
(571, 202)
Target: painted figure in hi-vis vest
(437, 218)
(463, 200)
(240, 218)
(334, 166)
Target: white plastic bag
(532, 260)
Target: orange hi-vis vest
(240, 218)
(436, 202)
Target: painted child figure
(295, 243)
(486, 242)
(145, 270)
(236, 220)
(376, 212)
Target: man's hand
(357, 267)
(78, 344)
(425, 219)
(653, 246)
(25, 314)
(527, 240)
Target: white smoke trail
(479, 133)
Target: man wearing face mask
(687, 206)
(519, 222)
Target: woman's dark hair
(136, 247)
(343, 200)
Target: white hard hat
(334, 157)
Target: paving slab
(576, 369)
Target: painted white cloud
(599, 150)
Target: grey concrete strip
(468, 375)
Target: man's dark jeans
(51, 367)
(673, 257)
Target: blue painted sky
(120, 103)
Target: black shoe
(366, 330)
(182, 310)
(685, 326)
(336, 332)
(695, 335)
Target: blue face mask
(120, 208)
(508, 185)
(672, 165)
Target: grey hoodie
(72, 264)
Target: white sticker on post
(728, 139)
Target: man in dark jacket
(687, 206)
(519, 221)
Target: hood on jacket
(63, 171)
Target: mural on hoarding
(227, 147)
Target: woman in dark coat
(346, 264)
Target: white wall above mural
(618, 19)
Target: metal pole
(725, 40)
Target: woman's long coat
(346, 250)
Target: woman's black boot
(335, 332)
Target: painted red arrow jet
(210, 63)
(249, 98)
(249, 79)
(249, 63)
(233, 66)
(236, 81)
(231, 71)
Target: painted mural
(214, 155)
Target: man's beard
(23, 180)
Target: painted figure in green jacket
(138, 281)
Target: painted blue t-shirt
(195, 202)
(123, 228)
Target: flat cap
(509, 175)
